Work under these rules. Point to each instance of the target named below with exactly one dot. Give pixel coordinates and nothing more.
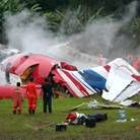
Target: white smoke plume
(101, 36)
(29, 33)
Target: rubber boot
(19, 111)
(14, 111)
(33, 111)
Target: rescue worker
(32, 96)
(17, 99)
(47, 90)
(7, 74)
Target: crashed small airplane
(115, 81)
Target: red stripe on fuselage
(77, 84)
(69, 88)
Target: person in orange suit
(32, 96)
(17, 99)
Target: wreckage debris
(121, 116)
(60, 127)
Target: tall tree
(7, 6)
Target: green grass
(22, 127)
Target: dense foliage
(55, 12)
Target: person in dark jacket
(47, 89)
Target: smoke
(103, 35)
(30, 33)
